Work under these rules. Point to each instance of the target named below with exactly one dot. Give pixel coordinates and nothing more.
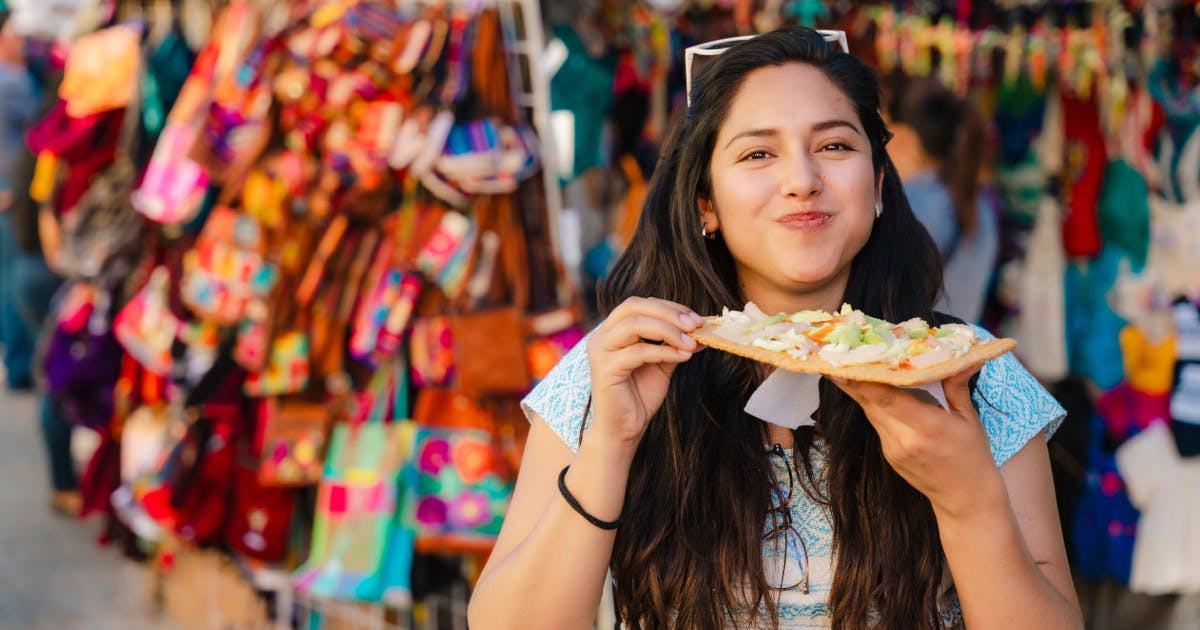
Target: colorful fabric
(1149, 366)
(1093, 328)
(458, 489)
(1124, 211)
(356, 505)
(1086, 158)
(1104, 527)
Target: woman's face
(794, 188)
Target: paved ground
(53, 576)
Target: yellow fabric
(1149, 368)
(44, 177)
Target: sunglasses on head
(695, 57)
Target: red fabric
(202, 501)
(101, 477)
(84, 145)
(1085, 162)
(1127, 412)
(1158, 117)
(260, 519)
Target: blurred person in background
(27, 282)
(939, 147)
(18, 105)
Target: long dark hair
(950, 130)
(690, 553)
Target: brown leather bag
(489, 342)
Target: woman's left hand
(943, 454)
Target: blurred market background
(274, 276)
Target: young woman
(938, 146)
(890, 512)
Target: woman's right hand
(632, 357)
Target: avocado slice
(850, 335)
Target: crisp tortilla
(874, 373)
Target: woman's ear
(708, 216)
(879, 187)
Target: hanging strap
(379, 395)
(497, 214)
(401, 400)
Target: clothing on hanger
(1149, 365)
(1124, 211)
(1185, 399)
(1162, 484)
(1083, 175)
(1093, 329)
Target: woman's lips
(805, 220)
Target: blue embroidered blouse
(1012, 405)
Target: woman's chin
(810, 274)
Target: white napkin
(789, 399)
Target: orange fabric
(102, 71)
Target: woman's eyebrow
(816, 128)
(834, 123)
(753, 133)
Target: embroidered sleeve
(1013, 406)
(561, 399)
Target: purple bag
(81, 364)
(81, 361)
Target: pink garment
(1127, 412)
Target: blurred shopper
(939, 147)
(27, 282)
(18, 104)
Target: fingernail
(688, 320)
(688, 342)
(696, 318)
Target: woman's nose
(801, 177)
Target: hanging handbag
(431, 351)
(146, 327)
(457, 483)
(225, 269)
(260, 517)
(174, 186)
(357, 503)
(292, 438)
(103, 71)
(82, 357)
(287, 370)
(489, 343)
(102, 225)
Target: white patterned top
(1012, 405)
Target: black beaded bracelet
(562, 488)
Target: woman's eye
(757, 155)
(837, 146)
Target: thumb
(958, 391)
